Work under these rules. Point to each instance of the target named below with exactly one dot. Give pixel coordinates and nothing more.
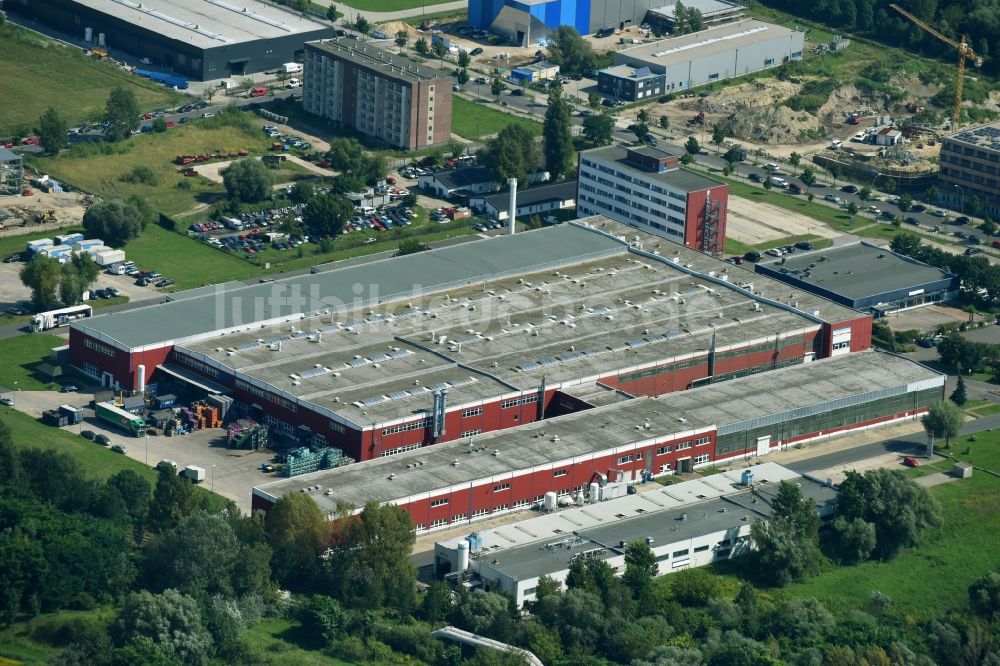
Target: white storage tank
(463, 555)
(550, 501)
(140, 372)
(88, 35)
(595, 492)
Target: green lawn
(189, 262)
(836, 218)
(87, 169)
(95, 460)
(39, 72)
(38, 640)
(734, 246)
(20, 357)
(478, 121)
(383, 5)
(932, 578)
(278, 642)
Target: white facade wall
(630, 196)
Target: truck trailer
(62, 317)
(130, 423)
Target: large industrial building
(686, 525)
(526, 22)
(627, 440)
(200, 39)
(390, 98)
(645, 187)
(400, 353)
(864, 277)
(718, 53)
(970, 167)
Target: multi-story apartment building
(357, 85)
(646, 188)
(970, 167)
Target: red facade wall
(121, 364)
(861, 334)
(694, 218)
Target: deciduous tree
(512, 154)
(42, 276)
(171, 621)
(326, 214)
(297, 532)
(598, 128)
(52, 131)
(121, 113)
(944, 420)
(557, 134)
(899, 509)
(116, 222)
(247, 180)
(569, 50)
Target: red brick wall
(694, 219)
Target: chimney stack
(512, 203)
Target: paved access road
(911, 444)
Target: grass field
(278, 642)
(38, 73)
(384, 5)
(101, 173)
(932, 578)
(95, 460)
(836, 218)
(19, 358)
(477, 121)
(734, 246)
(189, 262)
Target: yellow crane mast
(964, 51)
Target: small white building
(686, 525)
(888, 137)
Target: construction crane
(964, 51)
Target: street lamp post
(213, 478)
(961, 191)
(16, 389)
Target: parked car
(804, 245)
(476, 51)
(103, 439)
(119, 448)
(517, 92)
(961, 220)
(970, 251)
(914, 221)
(88, 434)
(68, 388)
(850, 189)
(752, 256)
(910, 461)
(833, 198)
(755, 177)
(7, 401)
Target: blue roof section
(356, 286)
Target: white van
(779, 182)
(294, 83)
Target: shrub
(140, 174)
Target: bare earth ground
(753, 222)
(926, 318)
(68, 208)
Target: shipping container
(74, 414)
(36, 245)
(55, 250)
(134, 425)
(109, 257)
(196, 474)
(68, 239)
(84, 245)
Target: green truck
(130, 423)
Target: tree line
(979, 21)
(979, 279)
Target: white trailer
(44, 321)
(196, 474)
(292, 67)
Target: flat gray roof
(706, 7)
(582, 434)
(652, 515)
(706, 43)
(368, 55)
(629, 72)
(8, 156)
(209, 23)
(356, 286)
(857, 271)
(464, 176)
(680, 178)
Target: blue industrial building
(528, 21)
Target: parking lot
(754, 222)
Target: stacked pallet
(208, 416)
(247, 434)
(221, 402)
